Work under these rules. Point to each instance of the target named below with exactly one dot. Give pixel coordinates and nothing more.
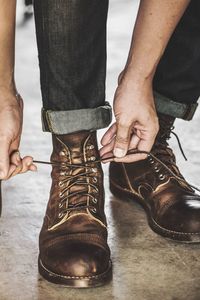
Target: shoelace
(72, 180)
(162, 150)
(132, 151)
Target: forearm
(7, 45)
(154, 26)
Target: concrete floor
(146, 266)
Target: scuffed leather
(75, 244)
(172, 204)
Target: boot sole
(75, 281)
(183, 237)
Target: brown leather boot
(171, 205)
(73, 239)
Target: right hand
(136, 123)
(11, 119)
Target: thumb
(122, 140)
(4, 158)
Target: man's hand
(11, 116)
(136, 121)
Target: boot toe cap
(183, 216)
(77, 259)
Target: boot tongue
(75, 141)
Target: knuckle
(122, 140)
(124, 124)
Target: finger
(28, 165)
(110, 147)
(22, 168)
(134, 141)
(27, 162)
(15, 158)
(131, 158)
(12, 169)
(108, 136)
(4, 157)
(122, 139)
(33, 168)
(107, 148)
(108, 157)
(145, 145)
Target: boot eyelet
(96, 191)
(62, 173)
(94, 170)
(60, 215)
(162, 177)
(60, 184)
(94, 180)
(61, 195)
(94, 210)
(152, 162)
(157, 170)
(92, 158)
(90, 147)
(94, 200)
(62, 153)
(60, 205)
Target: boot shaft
(77, 180)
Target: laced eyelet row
(94, 179)
(156, 169)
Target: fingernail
(118, 152)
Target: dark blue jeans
(71, 37)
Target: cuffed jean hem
(69, 121)
(175, 109)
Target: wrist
(135, 80)
(140, 73)
(8, 96)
